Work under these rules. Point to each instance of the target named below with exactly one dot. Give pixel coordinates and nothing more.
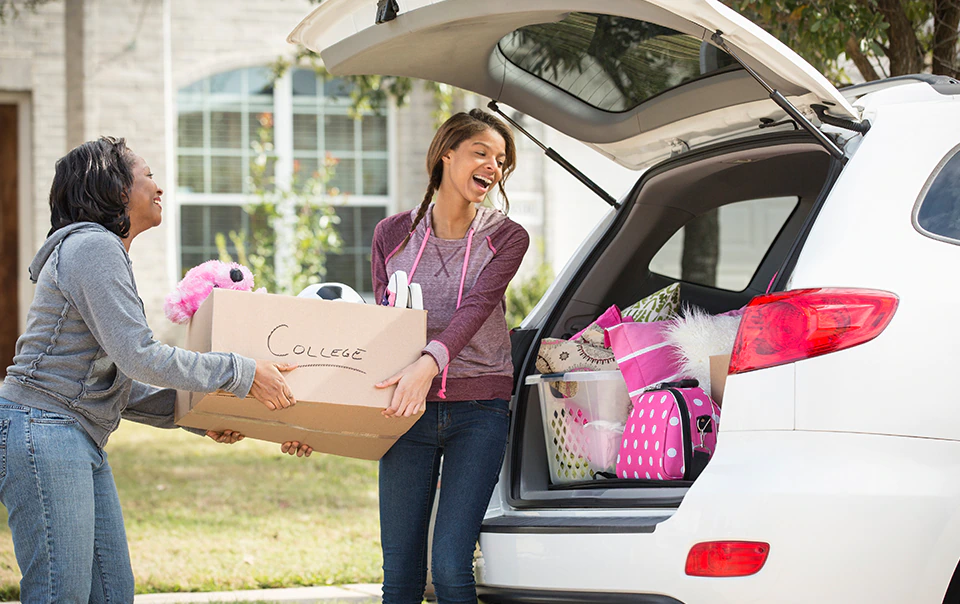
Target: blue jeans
(63, 509)
(471, 436)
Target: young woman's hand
(413, 384)
(227, 437)
(295, 448)
(270, 388)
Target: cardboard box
(342, 350)
(719, 365)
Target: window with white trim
(308, 119)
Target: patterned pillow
(658, 306)
(560, 356)
(586, 351)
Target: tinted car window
(938, 212)
(729, 246)
(613, 63)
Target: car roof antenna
(784, 104)
(560, 160)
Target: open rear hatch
(639, 80)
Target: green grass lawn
(203, 516)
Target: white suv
(838, 456)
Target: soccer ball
(331, 291)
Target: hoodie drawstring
(463, 273)
(419, 253)
(463, 277)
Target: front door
(9, 312)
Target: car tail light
(726, 558)
(789, 326)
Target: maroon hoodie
(463, 283)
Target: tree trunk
(701, 249)
(906, 55)
(860, 60)
(946, 19)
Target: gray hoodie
(88, 352)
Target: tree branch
(859, 59)
(946, 18)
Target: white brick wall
(415, 129)
(37, 40)
(124, 88)
(125, 98)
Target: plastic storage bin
(584, 413)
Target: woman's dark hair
(460, 127)
(92, 184)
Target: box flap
(719, 365)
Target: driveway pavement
(341, 594)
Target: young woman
(85, 361)
(463, 256)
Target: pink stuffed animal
(196, 285)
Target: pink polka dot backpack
(670, 434)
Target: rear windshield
(612, 63)
(938, 212)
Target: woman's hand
(413, 384)
(227, 437)
(295, 448)
(270, 388)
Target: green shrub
(523, 295)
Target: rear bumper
(493, 595)
(849, 517)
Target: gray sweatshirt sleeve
(153, 406)
(94, 275)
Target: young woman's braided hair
(460, 127)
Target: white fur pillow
(696, 336)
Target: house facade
(189, 85)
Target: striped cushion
(644, 355)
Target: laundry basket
(582, 431)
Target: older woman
(85, 361)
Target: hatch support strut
(784, 104)
(559, 159)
